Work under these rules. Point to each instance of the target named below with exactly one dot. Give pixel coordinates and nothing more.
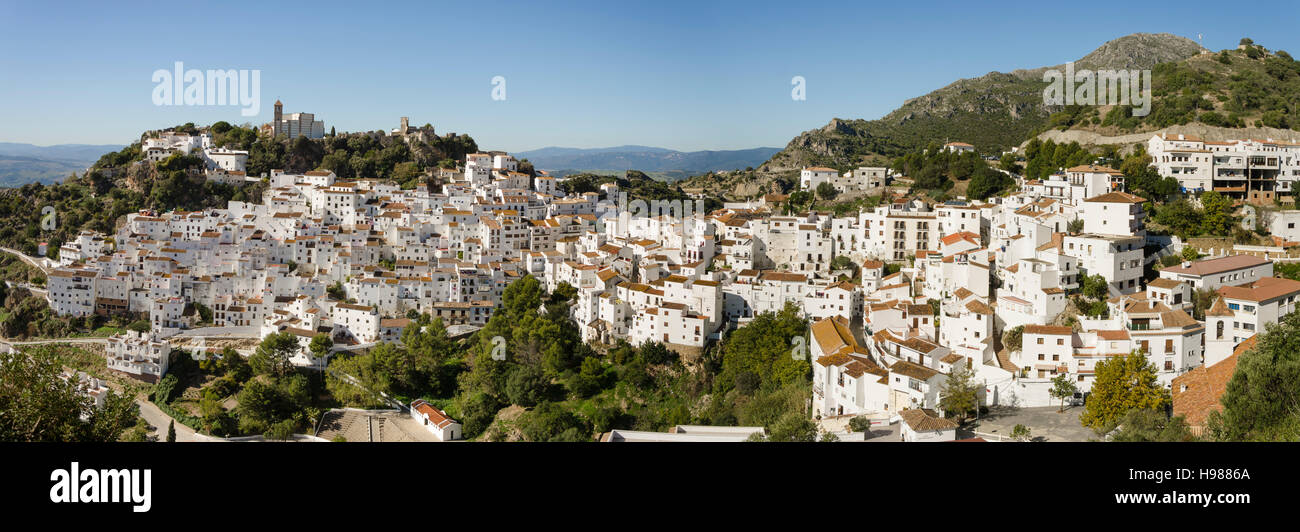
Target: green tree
(1202, 300)
(1180, 217)
(860, 424)
(282, 430)
(960, 393)
(171, 431)
(1063, 388)
(827, 191)
(1013, 338)
(988, 182)
(793, 427)
(763, 347)
(1148, 424)
(264, 403)
(1217, 218)
(551, 422)
(273, 355)
(657, 353)
(799, 199)
(1095, 287)
(1009, 163)
(1262, 400)
(320, 345)
(527, 386)
(841, 262)
(478, 409)
(205, 313)
(1021, 433)
(60, 412)
(336, 291)
(234, 365)
(165, 388)
(1123, 384)
(564, 292)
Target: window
(1060, 341)
(1040, 341)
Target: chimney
(1180, 136)
(1187, 264)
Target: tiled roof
(1219, 265)
(1205, 385)
(1047, 329)
(1265, 289)
(1116, 197)
(920, 421)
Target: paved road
(220, 332)
(30, 287)
(1044, 423)
(159, 420)
(94, 340)
(28, 259)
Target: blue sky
(682, 75)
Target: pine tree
(171, 431)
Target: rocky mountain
(994, 111)
(1140, 51)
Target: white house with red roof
(436, 421)
(1210, 274)
(958, 147)
(1244, 311)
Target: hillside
(1246, 92)
(668, 163)
(994, 112)
(120, 182)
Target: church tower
(279, 111)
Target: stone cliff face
(138, 176)
(1140, 51)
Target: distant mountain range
(27, 163)
(668, 163)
